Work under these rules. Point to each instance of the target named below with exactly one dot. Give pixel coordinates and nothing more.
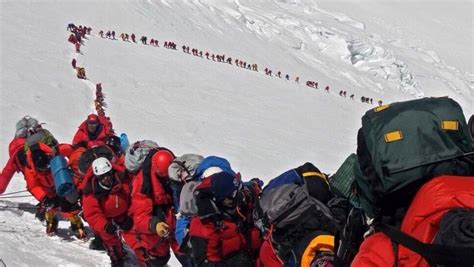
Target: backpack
(88, 156)
(26, 125)
(441, 233)
(288, 204)
(137, 153)
(32, 141)
(186, 163)
(187, 202)
(42, 136)
(213, 161)
(341, 181)
(288, 177)
(403, 145)
(310, 176)
(290, 213)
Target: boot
(116, 254)
(77, 227)
(157, 261)
(118, 263)
(96, 243)
(40, 211)
(51, 222)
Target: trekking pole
(13, 193)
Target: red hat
(92, 118)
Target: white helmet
(101, 166)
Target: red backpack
(420, 242)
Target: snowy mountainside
(263, 125)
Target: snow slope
(263, 125)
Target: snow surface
(389, 50)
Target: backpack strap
(433, 253)
(146, 168)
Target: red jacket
(213, 245)
(72, 39)
(12, 165)
(219, 238)
(421, 221)
(151, 204)
(99, 139)
(100, 206)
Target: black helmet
(114, 143)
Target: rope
(18, 208)
(13, 193)
(2, 197)
(7, 231)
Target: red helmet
(161, 161)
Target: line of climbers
(127, 37)
(367, 214)
(222, 58)
(78, 34)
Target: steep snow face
(263, 125)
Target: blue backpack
(288, 177)
(213, 161)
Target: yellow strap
(450, 125)
(319, 243)
(380, 108)
(393, 136)
(306, 174)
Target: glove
(127, 224)
(110, 228)
(80, 144)
(162, 229)
(52, 202)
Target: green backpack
(402, 145)
(41, 136)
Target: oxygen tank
(62, 176)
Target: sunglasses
(106, 175)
